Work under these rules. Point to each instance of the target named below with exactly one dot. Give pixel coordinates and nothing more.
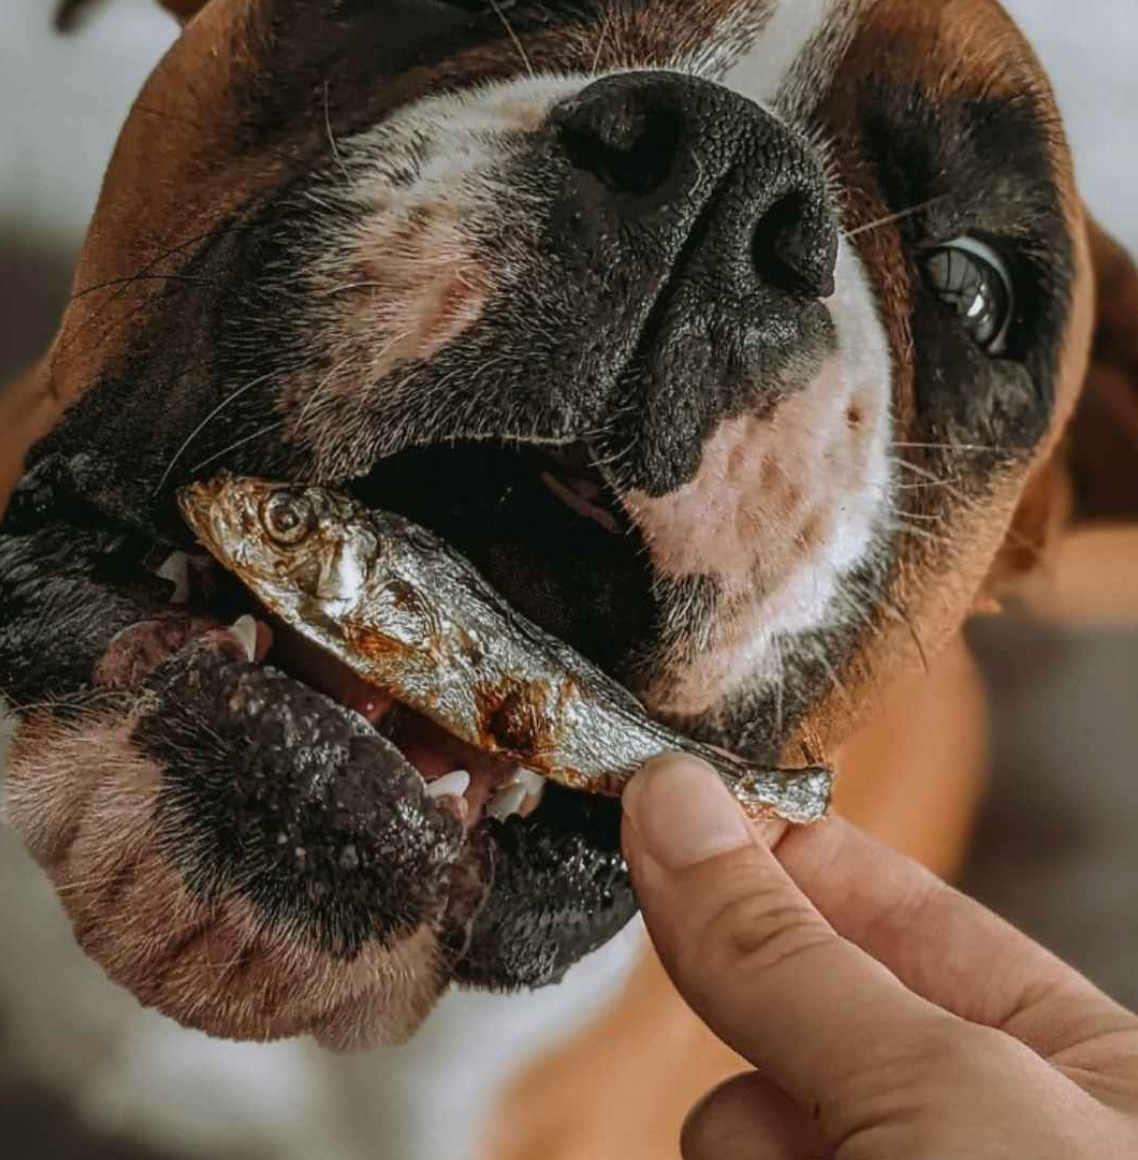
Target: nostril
(794, 246)
(631, 156)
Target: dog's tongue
(494, 784)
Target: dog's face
(723, 336)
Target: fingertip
(748, 1116)
(683, 814)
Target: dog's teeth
(176, 569)
(452, 785)
(508, 800)
(532, 783)
(244, 628)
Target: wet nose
(652, 145)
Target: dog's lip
(550, 871)
(493, 788)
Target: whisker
(954, 447)
(896, 217)
(931, 485)
(240, 443)
(311, 401)
(600, 48)
(861, 613)
(921, 533)
(932, 480)
(204, 423)
(512, 35)
(831, 672)
(132, 278)
(331, 137)
(918, 470)
(343, 289)
(931, 519)
(169, 252)
(907, 620)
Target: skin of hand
(887, 1016)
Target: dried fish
(407, 613)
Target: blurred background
(85, 1073)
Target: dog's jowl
(727, 338)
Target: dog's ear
(69, 12)
(1103, 438)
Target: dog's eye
(287, 517)
(973, 280)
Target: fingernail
(683, 813)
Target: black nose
(649, 145)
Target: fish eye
(287, 517)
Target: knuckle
(949, 1049)
(760, 930)
(916, 1065)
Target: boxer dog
(737, 342)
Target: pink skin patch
(780, 508)
(137, 651)
(416, 288)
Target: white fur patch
(783, 508)
(403, 277)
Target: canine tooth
(532, 783)
(452, 785)
(508, 800)
(176, 569)
(244, 628)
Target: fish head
(302, 550)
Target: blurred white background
(63, 1029)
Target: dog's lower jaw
(327, 901)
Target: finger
(943, 945)
(749, 1118)
(748, 951)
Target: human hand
(887, 1015)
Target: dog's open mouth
(574, 477)
(538, 878)
(471, 784)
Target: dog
(745, 345)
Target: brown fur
(69, 11)
(1104, 438)
(913, 777)
(880, 45)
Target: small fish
(407, 613)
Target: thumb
(751, 954)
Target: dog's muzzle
(672, 174)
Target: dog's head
(733, 340)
